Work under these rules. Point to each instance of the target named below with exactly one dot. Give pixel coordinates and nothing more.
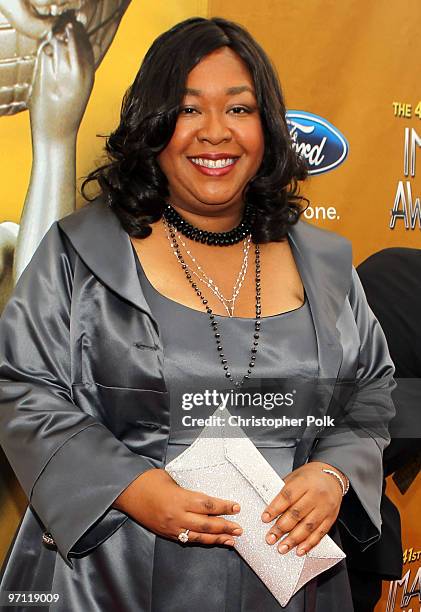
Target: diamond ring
(184, 536)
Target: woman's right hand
(156, 501)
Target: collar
(324, 260)
(104, 246)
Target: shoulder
(90, 216)
(392, 260)
(325, 257)
(392, 277)
(320, 240)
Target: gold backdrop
(142, 23)
(351, 63)
(356, 64)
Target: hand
(63, 81)
(156, 501)
(309, 503)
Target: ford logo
(317, 141)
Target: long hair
(132, 180)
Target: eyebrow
(231, 91)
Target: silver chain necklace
(228, 303)
(214, 324)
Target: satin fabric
(217, 578)
(84, 406)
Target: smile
(213, 163)
(214, 167)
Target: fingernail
(300, 552)
(271, 538)
(229, 542)
(236, 508)
(237, 531)
(265, 516)
(283, 549)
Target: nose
(214, 129)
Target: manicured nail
(236, 508)
(301, 552)
(230, 542)
(237, 531)
(271, 538)
(265, 516)
(283, 549)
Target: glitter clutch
(224, 462)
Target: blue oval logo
(316, 140)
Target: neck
(219, 222)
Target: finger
(210, 524)
(302, 531)
(290, 493)
(312, 540)
(205, 504)
(80, 47)
(61, 54)
(209, 539)
(44, 70)
(290, 518)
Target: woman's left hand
(309, 503)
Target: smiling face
(218, 142)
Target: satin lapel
(99, 239)
(324, 262)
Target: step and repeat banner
(350, 75)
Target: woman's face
(218, 142)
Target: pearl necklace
(214, 323)
(212, 238)
(228, 303)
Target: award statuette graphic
(49, 51)
(47, 68)
(21, 31)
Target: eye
(187, 110)
(241, 110)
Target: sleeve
(357, 447)
(71, 467)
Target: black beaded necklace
(213, 322)
(235, 235)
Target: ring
(184, 536)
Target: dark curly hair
(132, 180)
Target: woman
(138, 297)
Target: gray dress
(287, 348)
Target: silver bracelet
(336, 475)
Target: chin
(225, 199)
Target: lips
(214, 164)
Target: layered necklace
(241, 232)
(213, 238)
(228, 303)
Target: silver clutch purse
(224, 462)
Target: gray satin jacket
(84, 408)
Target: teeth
(54, 10)
(213, 163)
(43, 10)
